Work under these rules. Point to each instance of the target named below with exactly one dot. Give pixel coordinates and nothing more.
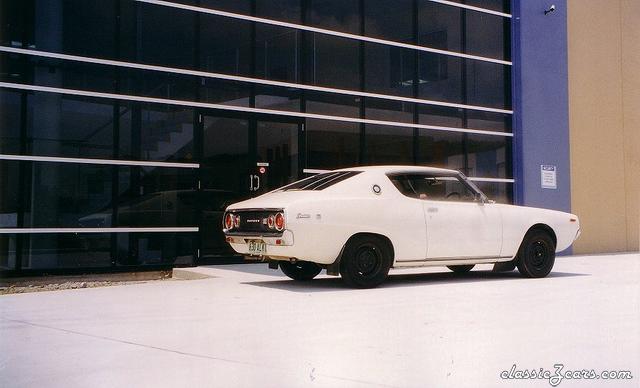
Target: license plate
(257, 247)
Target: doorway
(242, 157)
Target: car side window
(433, 187)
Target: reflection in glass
(224, 173)
(332, 144)
(343, 15)
(332, 61)
(391, 20)
(276, 98)
(389, 70)
(225, 45)
(439, 26)
(396, 111)
(66, 195)
(156, 197)
(388, 145)
(440, 116)
(155, 248)
(441, 149)
(9, 122)
(67, 250)
(277, 50)
(278, 146)
(440, 77)
(284, 10)
(332, 104)
(488, 84)
(8, 244)
(9, 193)
(489, 156)
(69, 126)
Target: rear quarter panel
(517, 220)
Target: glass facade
(127, 127)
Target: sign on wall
(548, 176)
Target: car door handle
(432, 210)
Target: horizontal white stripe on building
(113, 162)
(99, 230)
(154, 100)
(228, 77)
(325, 31)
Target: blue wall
(540, 102)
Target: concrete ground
(249, 326)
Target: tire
(536, 255)
(365, 262)
(300, 270)
(461, 268)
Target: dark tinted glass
(334, 15)
(8, 244)
(277, 50)
(489, 121)
(487, 35)
(66, 195)
(440, 116)
(440, 77)
(67, 250)
(321, 181)
(278, 146)
(58, 73)
(439, 26)
(238, 6)
(332, 61)
(160, 35)
(77, 27)
(440, 149)
(391, 20)
(155, 248)
(14, 16)
(488, 84)
(69, 126)
(489, 156)
(494, 5)
(156, 132)
(225, 92)
(9, 121)
(158, 84)
(389, 70)
(396, 111)
(225, 45)
(277, 98)
(284, 10)
(388, 145)
(9, 194)
(332, 104)
(433, 187)
(332, 144)
(156, 196)
(225, 158)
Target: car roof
(400, 169)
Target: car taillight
(271, 221)
(236, 221)
(279, 222)
(228, 221)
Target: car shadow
(403, 280)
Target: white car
(360, 222)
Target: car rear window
(320, 181)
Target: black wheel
(300, 270)
(365, 262)
(461, 268)
(536, 255)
